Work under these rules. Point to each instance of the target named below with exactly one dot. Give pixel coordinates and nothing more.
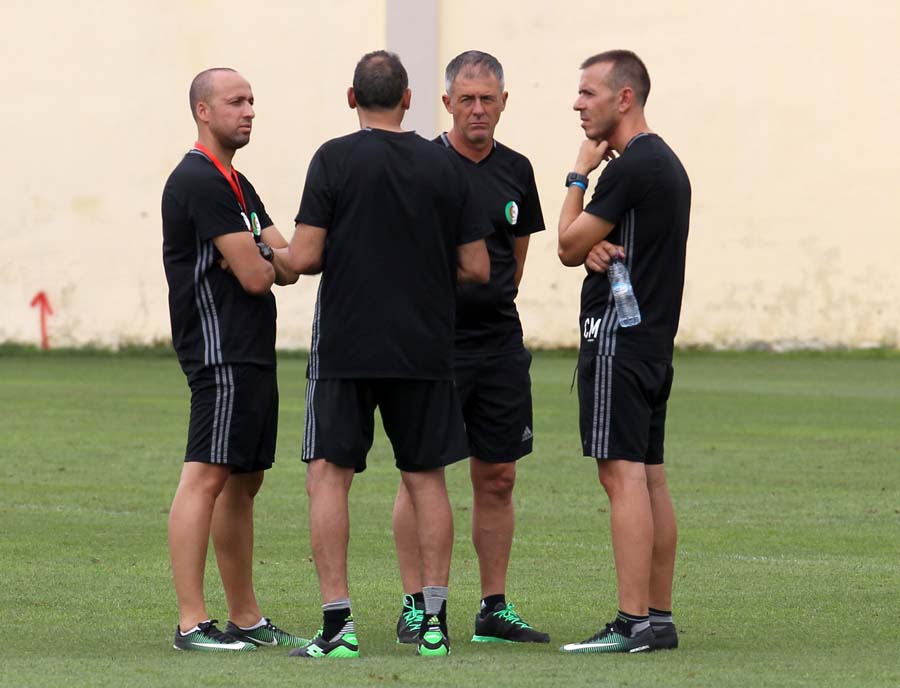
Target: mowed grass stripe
(784, 470)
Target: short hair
(202, 86)
(627, 70)
(379, 81)
(476, 60)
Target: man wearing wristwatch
(220, 269)
(639, 213)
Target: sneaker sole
(603, 650)
(337, 653)
(437, 652)
(248, 648)
(490, 639)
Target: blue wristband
(579, 184)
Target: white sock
(262, 622)
(194, 629)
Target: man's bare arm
(242, 259)
(283, 274)
(520, 250)
(305, 254)
(473, 264)
(580, 231)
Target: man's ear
(406, 99)
(351, 98)
(626, 99)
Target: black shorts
(234, 417)
(622, 404)
(495, 392)
(422, 419)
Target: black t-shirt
(214, 321)
(395, 207)
(503, 184)
(646, 193)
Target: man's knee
(204, 478)
(322, 476)
(619, 477)
(493, 480)
(246, 485)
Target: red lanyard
(232, 178)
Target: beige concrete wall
(783, 114)
(96, 112)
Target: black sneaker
(613, 639)
(433, 640)
(504, 625)
(410, 621)
(267, 634)
(208, 638)
(665, 636)
(343, 646)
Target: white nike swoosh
(263, 642)
(235, 645)
(578, 646)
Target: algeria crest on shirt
(512, 212)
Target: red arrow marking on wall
(41, 301)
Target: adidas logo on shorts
(527, 434)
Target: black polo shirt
(214, 321)
(395, 207)
(646, 193)
(503, 184)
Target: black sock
(419, 598)
(631, 624)
(489, 604)
(333, 621)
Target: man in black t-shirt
(491, 362)
(220, 267)
(389, 220)
(639, 214)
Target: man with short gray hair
(491, 363)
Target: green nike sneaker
(504, 625)
(613, 639)
(268, 634)
(342, 646)
(410, 621)
(208, 638)
(434, 641)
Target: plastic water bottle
(623, 294)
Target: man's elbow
(568, 257)
(287, 277)
(259, 281)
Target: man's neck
(475, 153)
(387, 120)
(223, 155)
(626, 131)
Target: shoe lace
(208, 628)
(610, 628)
(273, 628)
(412, 616)
(509, 613)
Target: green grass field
(785, 470)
